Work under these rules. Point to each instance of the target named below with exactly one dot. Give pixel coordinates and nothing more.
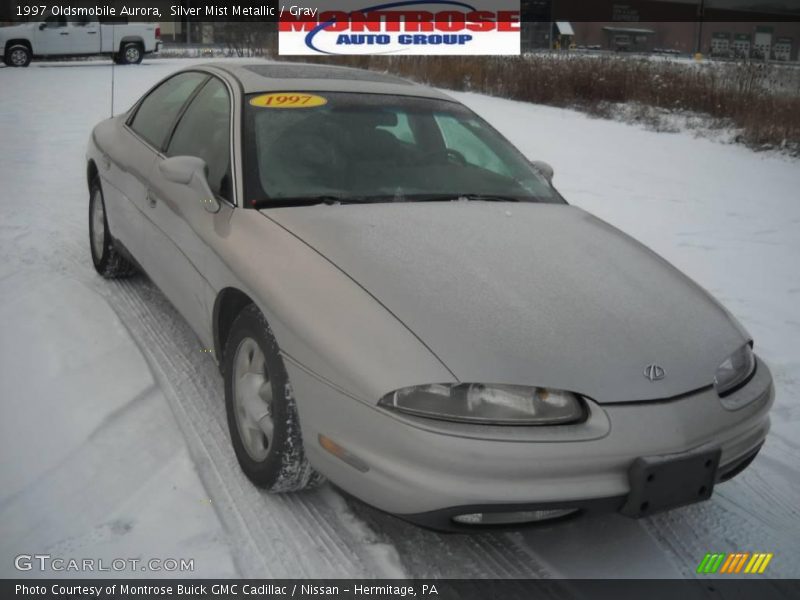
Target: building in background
(753, 29)
(763, 40)
(628, 39)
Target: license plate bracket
(664, 482)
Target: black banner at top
(273, 10)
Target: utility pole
(700, 15)
(188, 24)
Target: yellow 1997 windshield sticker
(288, 100)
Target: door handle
(91, 33)
(151, 200)
(65, 33)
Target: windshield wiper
(285, 201)
(488, 198)
(456, 197)
(330, 199)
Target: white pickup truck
(56, 36)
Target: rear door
(85, 36)
(180, 229)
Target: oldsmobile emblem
(654, 372)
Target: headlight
(735, 370)
(487, 404)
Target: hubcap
(252, 399)
(98, 226)
(18, 57)
(132, 53)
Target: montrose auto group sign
(403, 27)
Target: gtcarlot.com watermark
(57, 564)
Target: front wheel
(18, 56)
(106, 258)
(262, 415)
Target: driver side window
(157, 112)
(51, 22)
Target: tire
(268, 444)
(131, 54)
(18, 55)
(107, 260)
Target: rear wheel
(18, 56)
(131, 54)
(106, 258)
(262, 415)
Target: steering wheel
(449, 153)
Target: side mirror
(190, 171)
(42, 26)
(544, 168)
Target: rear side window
(204, 131)
(154, 118)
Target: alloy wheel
(252, 397)
(18, 57)
(98, 225)
(132, 54)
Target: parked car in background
(56, 36)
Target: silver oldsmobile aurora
(402, 303)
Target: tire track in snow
(298, 535)
(313, 532)
(428, 554)
(774, 494)
(169, 346)
(743, 515)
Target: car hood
(528, 294)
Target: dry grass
(761, 101)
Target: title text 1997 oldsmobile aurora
(401, 302)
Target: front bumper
(442, 520)
(428, 471)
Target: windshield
(373, 147)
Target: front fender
(323, 321)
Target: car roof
(290, 76)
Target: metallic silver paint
(364, 300)
(527, 294)
(419, 465)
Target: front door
(52, 37)
(180, 228)
(133, 158)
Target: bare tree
(246, 38)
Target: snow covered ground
(112, 431)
